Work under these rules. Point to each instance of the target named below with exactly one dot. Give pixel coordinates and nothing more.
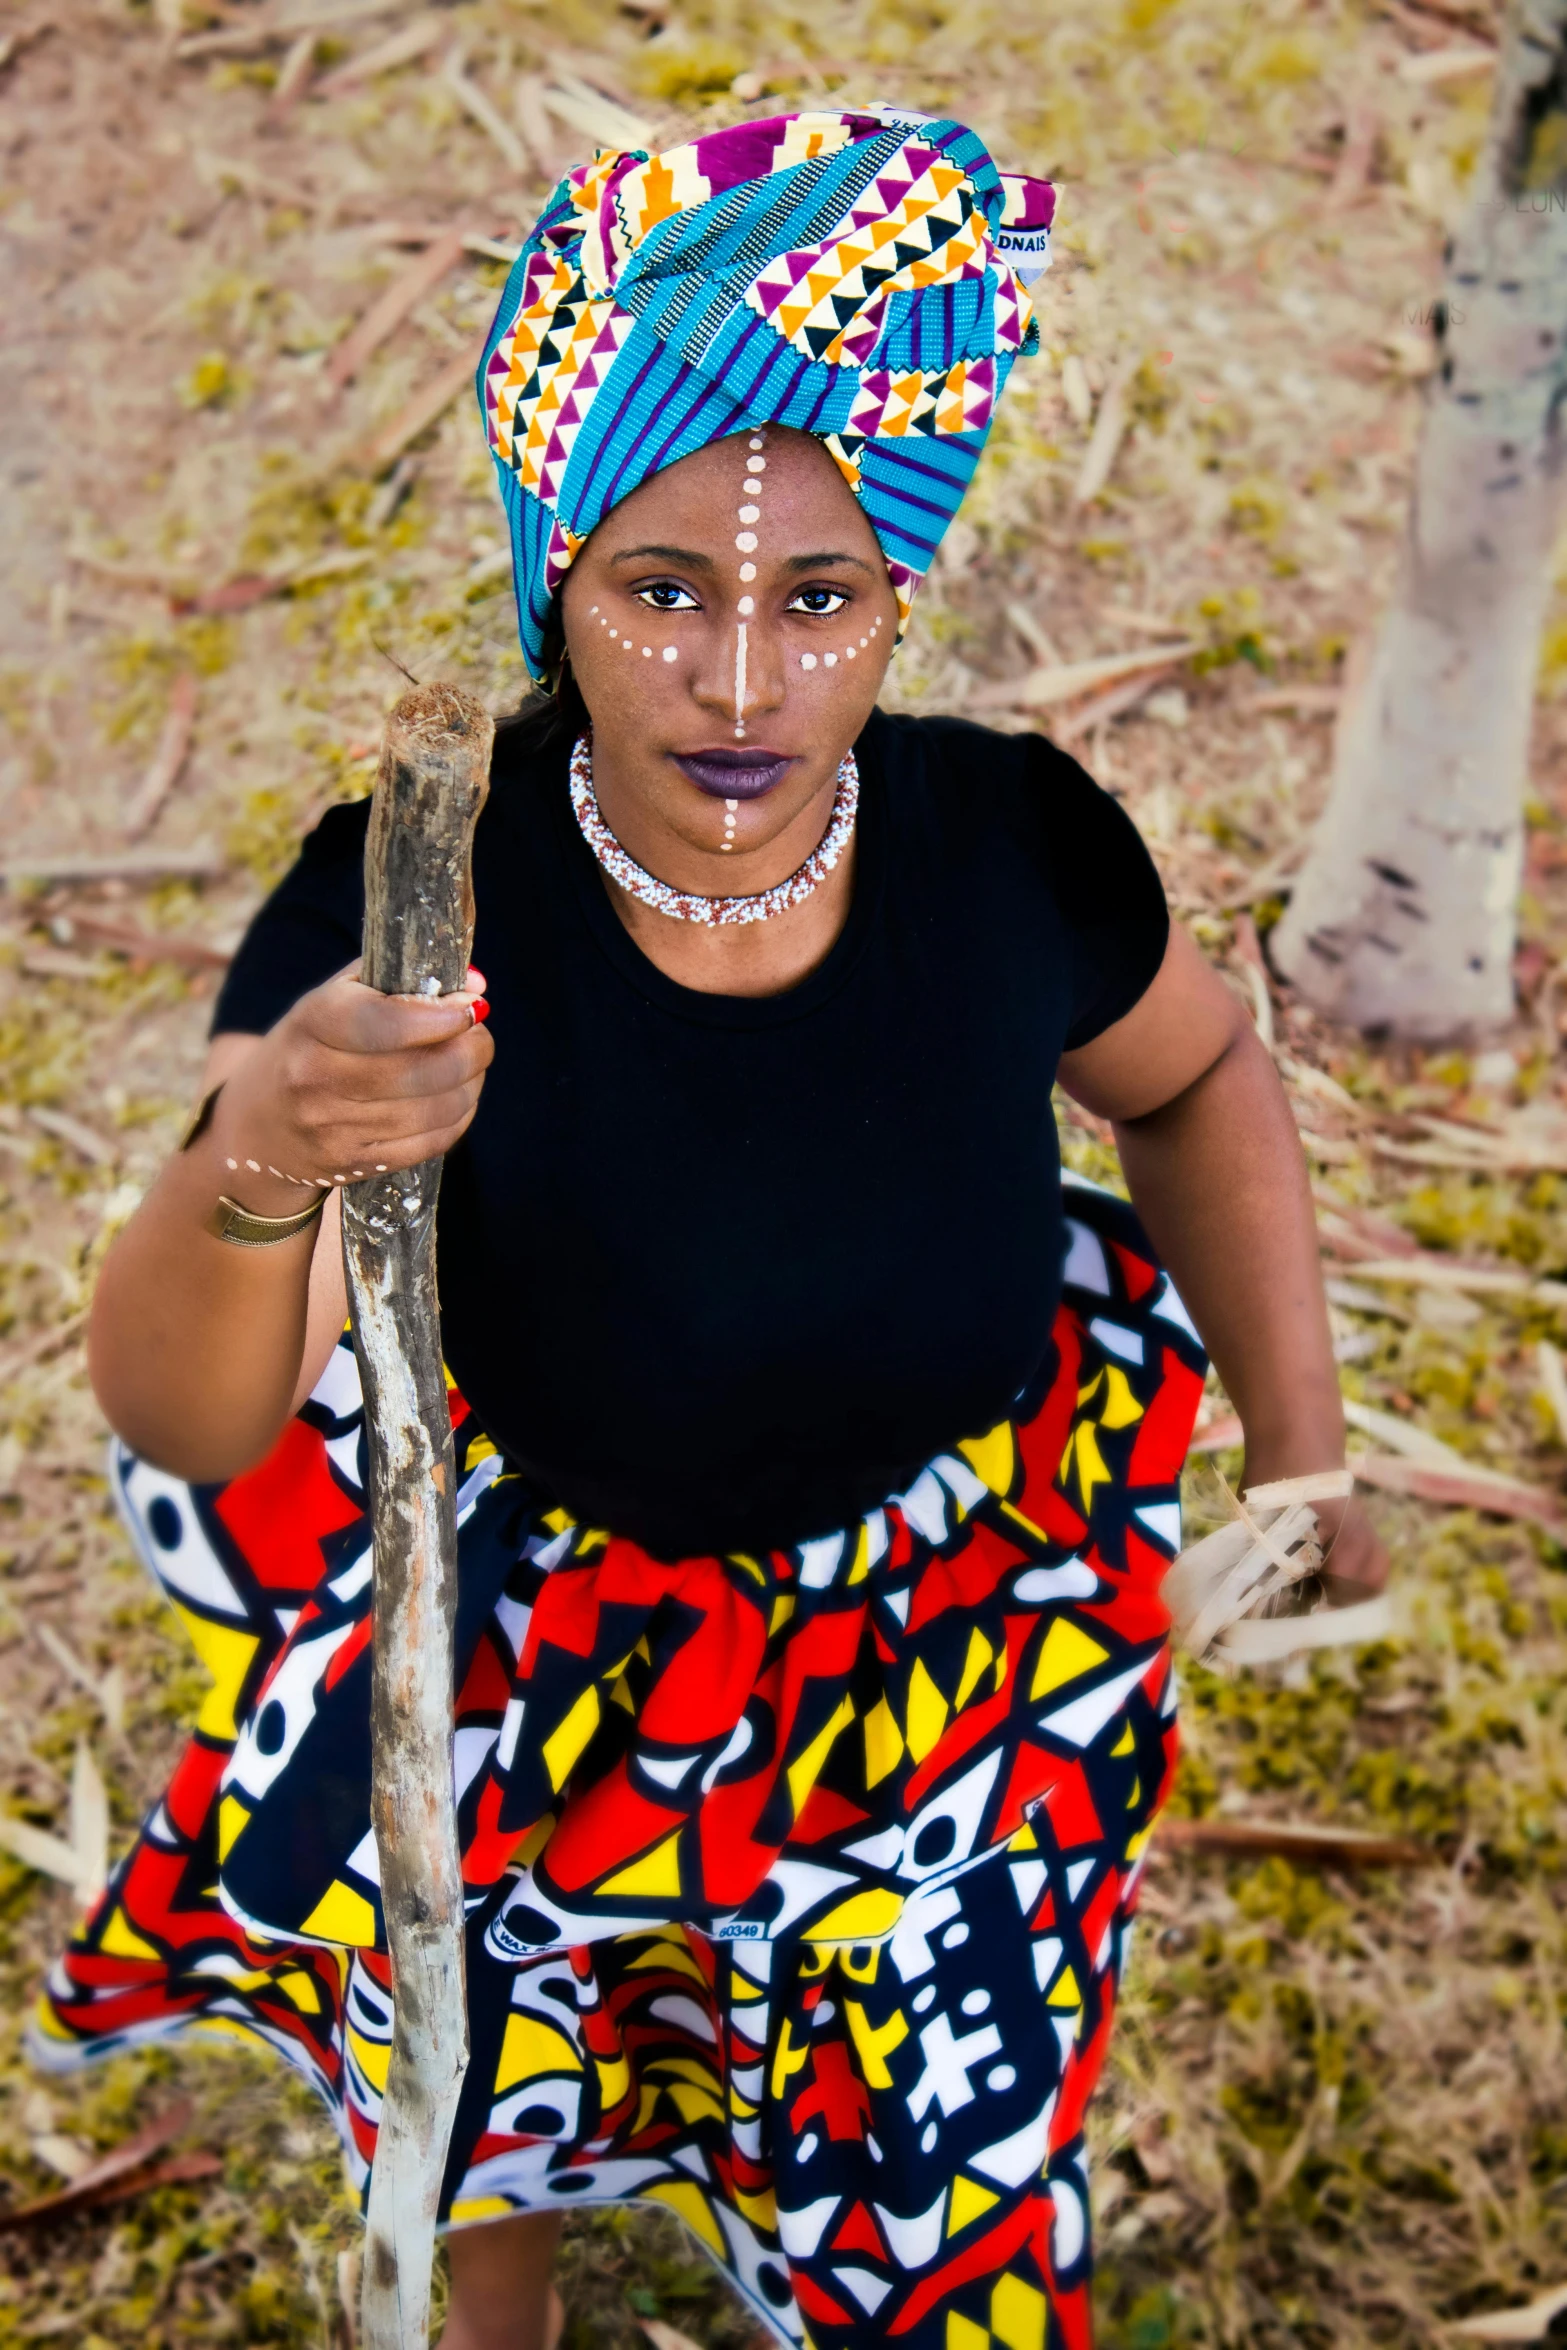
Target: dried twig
(151, 946)
(168, 759)
(417, 937)
(81, 1138)
(388, 311)
(1232, 1596)
(414, 41)
(1447, 65)
(1308, 701)
(1104, 441)
(12, 44)
(1356, 157)
(276, 31)
(1112, 704)
(198, 864)
(42, 1345)
(479, 109)
(423, 410)
(1470, 1488)
(1296, 1840)
(1064, 682)
(583, 108)
(293, 80)
(1553, 1383)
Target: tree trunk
(418, 935)
(1404, 917)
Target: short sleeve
(308, 929)
(1110, 897)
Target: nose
(742, 676)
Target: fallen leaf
(1531, 2323)
(89, 1824)
(67, 2157)
(665, 2337)
(36, 1849)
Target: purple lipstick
(735, 774)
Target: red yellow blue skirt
(798, 1885)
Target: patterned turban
(858, 276)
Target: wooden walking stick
(435, 764)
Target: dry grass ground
(1336, 2115)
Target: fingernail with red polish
(481, 1010)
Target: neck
(743, 959)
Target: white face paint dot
(671, 653)
(807, 661)
(851, 654)
(254, 1165)
(864, 641)
(829, 660)
(751, 514)
(592, 608)
(748, 571)
(747, 605)
(745, 540)
(758, 464)
(647, 652)
(625, 644)
(756, 442)
(232, 1166)
(614, 632)
(752, 489)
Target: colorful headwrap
(859, 276)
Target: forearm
(195, 1345)
(1218, 1179)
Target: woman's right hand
(349, 1083)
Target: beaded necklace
(686, 905)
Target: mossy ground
(1335, 2109)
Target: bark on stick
(434, 775)
(1405, 914)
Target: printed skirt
(798, 1886)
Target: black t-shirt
(721, 1272)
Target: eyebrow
(692, 561)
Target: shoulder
(338, 838)
(978, 776)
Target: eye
(820, 602)
(667, 595)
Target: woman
(819, 1461)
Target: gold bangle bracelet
(229, 1221)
